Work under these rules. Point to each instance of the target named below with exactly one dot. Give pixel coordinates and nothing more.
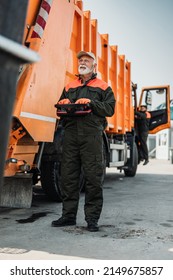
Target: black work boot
(92, 226)
(63, 221)
(146, 162)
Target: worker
(83, 143)
(142, 122)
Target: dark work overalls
(83, 146)
(143, 120)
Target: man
(83, 143)
(142, 121)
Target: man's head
(86, 62)
(143, 108)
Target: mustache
(83, 66)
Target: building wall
(164, 143)
(152, 145)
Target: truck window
(155, 99)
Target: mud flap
(16, 191)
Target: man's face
(86, 65)
(143, 109)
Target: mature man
(83, 143)
(142, 121)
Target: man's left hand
(83, 101)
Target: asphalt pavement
(136, 222)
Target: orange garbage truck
(57, 30)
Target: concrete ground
(136, 222)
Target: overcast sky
(143, 31)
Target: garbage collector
(83, 143)
(142, 121)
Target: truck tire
(131, 170)
(51, 180)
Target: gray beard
(84, 72)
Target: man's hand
(64, 101)
(83, 101)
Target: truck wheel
(131, 171)
(51, 179)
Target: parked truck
(57, 30)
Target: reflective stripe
(38, 30)
(37, 117)
(42, 19)
(44, 14)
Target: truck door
(157, 100)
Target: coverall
(83, 146)
(143, 120)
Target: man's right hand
(64, 101)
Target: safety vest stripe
(37, 117)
